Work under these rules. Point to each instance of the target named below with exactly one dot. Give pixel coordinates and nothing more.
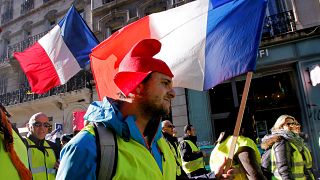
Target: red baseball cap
(138, 64)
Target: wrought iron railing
(80, 81)
(7, 16)
(279, 24)
(21, 46)
(26, 6)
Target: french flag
(58, 55)
(204, 42)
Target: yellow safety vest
(136, 162)
(41, 164)
(8, 170)
(194, 165)
(177, 157)
(298, 164)
(308, 161)
(222, 150)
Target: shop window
(270, 96)
(221, 98)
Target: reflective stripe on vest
(297, 165)
(221, 151)
(194, 165)
(134, 157)
(8, 170)
(41, 164)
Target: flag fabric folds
(204, 42)
(58, 55)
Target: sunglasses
(39, 124)
(171, 126)
(293, 124)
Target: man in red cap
(140, 151)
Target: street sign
(58, 126)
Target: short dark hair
(187, 128)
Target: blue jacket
(78, 156)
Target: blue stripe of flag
(77, 36)
(233, 37)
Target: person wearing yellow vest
(247, 158)
(13, 152)
(145, 93)
(167, 131)
(43, 155)
(290, 157)
(191, 156)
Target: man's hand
(204, 154)
(56, 165)
(222, 174)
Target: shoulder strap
(107, 151)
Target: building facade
(281, 84)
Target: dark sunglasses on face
(38, 124)
(171, 126)
(293, 124)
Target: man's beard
(154, 109)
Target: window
(3, 84)
(7, 14)
(6, 43)
(82, 14)
(276, 7)
(279, 18)
(52, 24)
(27, 34)
(270, 96)
(26, 6)
(51, 19)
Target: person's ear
(29, 127)
(138, 89)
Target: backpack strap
(107, 151)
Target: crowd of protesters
(128, 138)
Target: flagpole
(239, 120)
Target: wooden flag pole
(239, 120)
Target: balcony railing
(26, 6)
(21, 46)
(7, 16)
(80, 81)
(279, 24)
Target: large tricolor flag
(58, 55)
(204, 42)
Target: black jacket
(186, 151)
